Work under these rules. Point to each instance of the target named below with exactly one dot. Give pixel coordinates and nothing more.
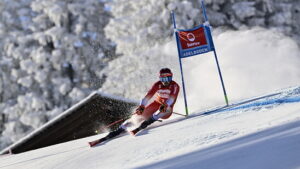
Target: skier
(165, 92)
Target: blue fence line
(249, 104)
(267, 102)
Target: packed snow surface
(260, 133)
(54, 53)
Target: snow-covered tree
(50, 51)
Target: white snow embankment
(260, 136)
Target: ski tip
(132, 133)
(90, 144)
(93, 143)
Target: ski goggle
(166, 79)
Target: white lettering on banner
(195, 52)
(193, 44)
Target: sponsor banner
(194, 41)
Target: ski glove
(163, 108)
(140, 110)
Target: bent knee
(162, 115)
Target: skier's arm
(146, 99)
(167, 106)
(149, 95)
(173, 96)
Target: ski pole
(180, 114)
(113, 123)
(118, 121)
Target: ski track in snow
(260, 133)
(282, 141)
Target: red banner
(192, 39)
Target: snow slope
(261, 133)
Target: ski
(135, 131)
(95, 142)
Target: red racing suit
(161, 94)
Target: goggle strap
(165, 75)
